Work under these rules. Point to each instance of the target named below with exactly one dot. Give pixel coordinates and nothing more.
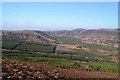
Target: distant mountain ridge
(83, 32)
(64, 32)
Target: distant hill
(84, 32)
(51, 37)
(27, 35)
(76, 36)
(65, 32)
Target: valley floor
(12, 68)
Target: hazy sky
(59, 16)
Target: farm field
(26, 47)
(75, 58)
(93, 66)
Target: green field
(102, 66)
(35, 48)
(34, 52)
(67, 39)
(56, 62)
(9, 44)
(27, 47)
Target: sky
(59, 15)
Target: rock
(55, 76)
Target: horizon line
(60, 30)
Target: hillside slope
(97, 36)
(28, 35)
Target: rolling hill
(84, 32)
(27, 35)
(97, 36)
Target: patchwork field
(65, 56)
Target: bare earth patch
(86, 49)
(66, 47)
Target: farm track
(15, 46)
(12, 68)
